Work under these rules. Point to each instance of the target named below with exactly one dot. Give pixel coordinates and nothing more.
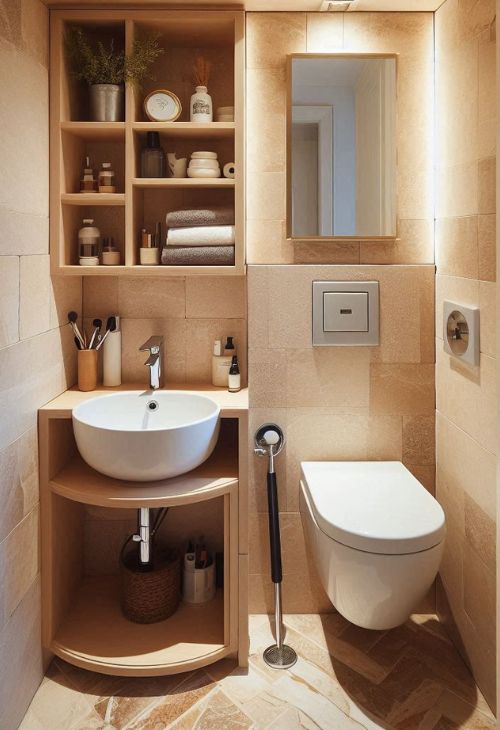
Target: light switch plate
(351, 316)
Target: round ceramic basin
(145, 436)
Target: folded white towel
(201, 236)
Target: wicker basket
(147, 597)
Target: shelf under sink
(95, 634)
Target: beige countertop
(231, 404)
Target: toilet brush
(269, 441)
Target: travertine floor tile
(346, 678)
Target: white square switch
(345, 311)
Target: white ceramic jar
(200, 108)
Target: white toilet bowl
(377, 537)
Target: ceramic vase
(200, 108)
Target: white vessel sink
(144, 436)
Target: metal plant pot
(106, 103)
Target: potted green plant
(106, 71)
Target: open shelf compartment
(90, 516)
(218, 36)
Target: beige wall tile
(325, 34)
(267, 243)
(18, 564)
(258, 283)
(266, 196)
(487, 313)
(401, 389)
(456, 190)
(473, 473)
(267, 377)
(468, 397)
(35, 30)
(18, 481)
(480, 596)
(27, 91)
(142, 298)
(100, 298)
(419, 440)
(9, 300)
(457, 247)
(35, 296)
(65, 296)
(21, 669)
(328, 252)
(23, 234)
(53, 353)
(271, 36)
(410, 35)
(486, 240)
(415, 245)
(216, 297)
(337, 377)
(486, 186)
(266, 120)
(480, 533)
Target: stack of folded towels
(200, 237)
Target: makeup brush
(72, 317)
(77, 343)
(110, 327)
(97, 328)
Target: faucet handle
(153, 344)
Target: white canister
(198, 585)
(112, 357)
(200, 108)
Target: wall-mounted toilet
(377, 537)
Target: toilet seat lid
(375, 506)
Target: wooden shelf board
(95, 130)
(95, 635)
(183, 182)
(232, 405)
(108, 199)
(216, 476)
(187, 129)
(77, 270)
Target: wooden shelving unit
(82, 620)
(217, 35)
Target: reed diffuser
(200, 108)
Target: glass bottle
(153, 159)
(106, 179)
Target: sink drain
(153, 405)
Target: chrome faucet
(153, 346)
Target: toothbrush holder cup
(87, 369)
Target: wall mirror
(341, 146)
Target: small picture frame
(162, 105)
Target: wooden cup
(87, 369)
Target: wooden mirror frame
(325, 239)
